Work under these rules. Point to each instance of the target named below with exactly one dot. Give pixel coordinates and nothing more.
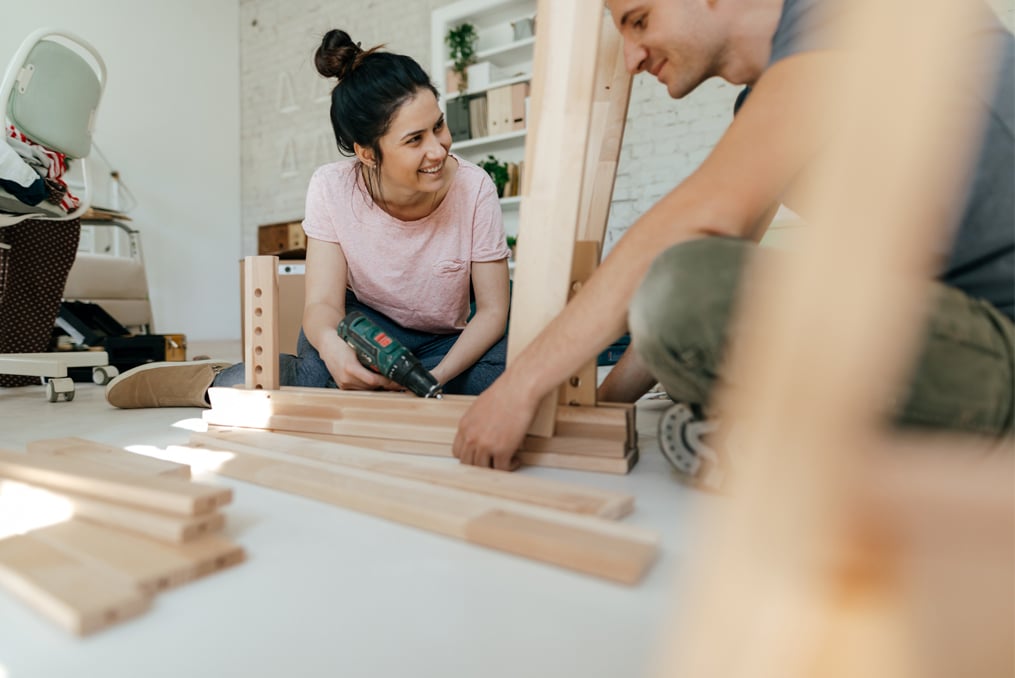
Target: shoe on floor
(167, 384)
(682, 434)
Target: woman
(401, 231)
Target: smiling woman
(403, 231)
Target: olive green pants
(680, 320)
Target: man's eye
(438, 126)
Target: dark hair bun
(338, 55)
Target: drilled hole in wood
(257, 292)
(258, 369)
(258, 331)
(258, 387)
(258, 350)
(575, 382)
(258, 311)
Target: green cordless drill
(382, 354)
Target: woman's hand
(348, 372)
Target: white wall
(169, 122)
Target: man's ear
(365, 155)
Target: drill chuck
(386, 356)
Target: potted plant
(498, 171)
(461, 42)
(512, 241)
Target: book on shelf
(478, 117)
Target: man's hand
(494, 427)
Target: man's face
(676, 41)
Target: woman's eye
(639, 23)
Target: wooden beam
(560, 111)
(171, 495)
(107, 456)
(587, 544)
(155, 525)
(610, 99)
(260, 317)
(580, 388)
(79, 596)
(518, 487)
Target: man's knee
(686, 299)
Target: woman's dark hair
(372, 85)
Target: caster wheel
(103, 375)
(60, 386)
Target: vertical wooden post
(580, 388)
(260, 318)
(555, 162)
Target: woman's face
(415, 147)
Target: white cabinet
(504, 61)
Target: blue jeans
(307, 369)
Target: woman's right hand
(349, 373)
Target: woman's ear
(365, 155)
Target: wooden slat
(385, 415)
(548, 218)
(152, 566)
(163, 527)
(539, 491)
(426, 438)
(581, 539)
(80, 597)
(610, 99)
(158, 493)
(107, 456)
(260, 317)
(613, 464)
(580, 388)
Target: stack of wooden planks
(139, 526)
(567, 525)
(601, 438)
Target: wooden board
(586, 544)
(79, 596)
(560, 112)
(152, 566)
(155, 525)
(538, 491)
(260, 317)
(580, 388)
(159, 493)
(107, 456)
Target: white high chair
(50, 93)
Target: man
(676, 269)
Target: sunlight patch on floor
(201, 461)
(24, 508)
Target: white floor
(329, 592)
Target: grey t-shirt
(981, 260)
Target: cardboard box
(285, 238)
(291, 276)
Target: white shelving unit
(511, 58)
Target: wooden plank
(825, 346)
(160, 526)
(539, 491)
(260, 317)
(580, 388)
(369, 414)
(548, 459)
(107, 456)
(581, 539)
(610, 99)
(443, 438)
(561, 110)
(78, 596)
(157, 493)
(152, 566)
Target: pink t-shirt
(415, 272)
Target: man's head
(685, 42)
